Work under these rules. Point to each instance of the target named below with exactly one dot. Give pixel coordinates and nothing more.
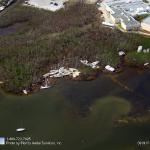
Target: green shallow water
(80, 114)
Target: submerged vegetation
(44, 39)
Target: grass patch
(145, 41)
(138, 58)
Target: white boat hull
(45, 87)
(20, 129)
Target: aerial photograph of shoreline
(74, 74)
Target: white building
(145, 24)
(123, 12)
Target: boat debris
(109, 68)
(25, 91)
(52, 72)
(146, 64)
(46, 75)
(139, 50)
(2, 8)
(74, 72)
(46, 86)
(61, 72)
(20, 129)
(93, 65)
(121, 53)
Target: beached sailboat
(46, 86)
(21, 129)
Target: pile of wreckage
(61, 72)
(93, 65)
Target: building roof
(146, 20)
(124, 16)
(132, 7)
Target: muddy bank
(87, 74)
(125, 72)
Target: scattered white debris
(139, 49)
(85, 62)
(2, 8)
(73, 69)
(45, 87)
(20, 129)
(61, 72)
(58, 75)
(109, 68)
(52, 72)
(64, 72)
(146, 64)
(74, 72)
(25, 92)
(121, 53)
(46, 75)
(93, 65)
(146, 50)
